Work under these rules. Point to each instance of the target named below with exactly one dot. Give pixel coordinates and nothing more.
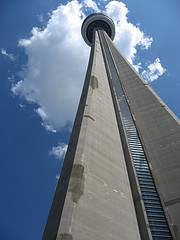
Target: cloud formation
(154, 71)
(128, 36)
(59, 151)
(57, 59)
(10, 56)
(91, 4)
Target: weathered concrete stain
(76, 184)
(88, 116)
(175, 229)
(64, 236)
(93, 82)
(172, 202)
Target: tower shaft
(120, 178)
(98, 203)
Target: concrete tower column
(120, 178)
(93, 199)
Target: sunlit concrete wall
(159, 130)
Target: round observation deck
(97, 21)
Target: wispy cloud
(57, 59)
(59, 151)
(9, 55)
(57, 176)
(48, 127)
(40, 18)
(11, 78)
(154, 70)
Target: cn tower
(121, 174)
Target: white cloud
(59, 151)
(128, 36)
(58, 56)
(10, 56)
(154, 71)
(57, 176)
(117, 11)
(21, 105)
(40, 18)
(57, 60)
(11, 78)
(48, 127)
(42, 113)
(91, 4)
(137, 66)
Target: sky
(43, 61)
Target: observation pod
(98, 21)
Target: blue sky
(41, 76)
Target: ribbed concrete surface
(159, 130)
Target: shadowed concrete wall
(159, 131)
(98, 203)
